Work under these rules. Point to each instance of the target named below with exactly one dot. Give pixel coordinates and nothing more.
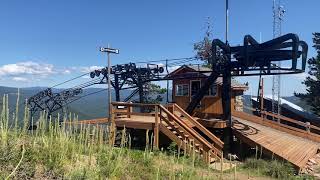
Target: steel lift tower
(278, 13)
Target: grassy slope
(54, 152)
(58, 156)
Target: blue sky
(44, 42)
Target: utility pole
(109, 50)
(227, 20)
(226, 92)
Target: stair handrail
(190, 131)
(207, 146)
(132, 104)
(172, 126)
(214, 139)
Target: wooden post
(256, 152)
(156, 128)
(230, 163)
(205, 156)
(209, 156)
(235, 171)
(308, 127)
(221, 164)
(112, 115)
(241, 149)
(129, 110)
(261, 98)
(110, 118)
(113, 127)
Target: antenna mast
(278, 13)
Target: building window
(195, 87)
(212, 90)
(182, 90)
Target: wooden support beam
(156, 128)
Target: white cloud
(26, 68)
(87, 69)
(66, 71)
(30, 71)
(41, 69)
(172, 68)
(21, 79)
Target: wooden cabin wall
(182, 101)
(211, 106)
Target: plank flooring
(294, 149)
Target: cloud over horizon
(33, 71)
(26, 68)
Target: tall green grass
(272, 168)
(77, 151)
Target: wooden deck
(136, 121)
(296, 143)
(294, 149)
(147, 121)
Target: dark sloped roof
(198, 68)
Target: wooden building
(187, 81)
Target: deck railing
(164, 119)
(216, 141)
(292, 126)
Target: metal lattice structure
(251, 59)
(123, 76)
(278, 13)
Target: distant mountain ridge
(88, 107)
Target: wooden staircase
(180, 127)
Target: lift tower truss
(278, 13)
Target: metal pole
(227, 20)
(109, 83)
(167, 81)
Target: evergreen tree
(153, 93)
(312, 82)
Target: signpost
(109, 50)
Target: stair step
(172, 122)
(169, 127)
(185, 135)
(174, 132)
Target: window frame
(176, 90)
(200, 83)
(210, 95)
